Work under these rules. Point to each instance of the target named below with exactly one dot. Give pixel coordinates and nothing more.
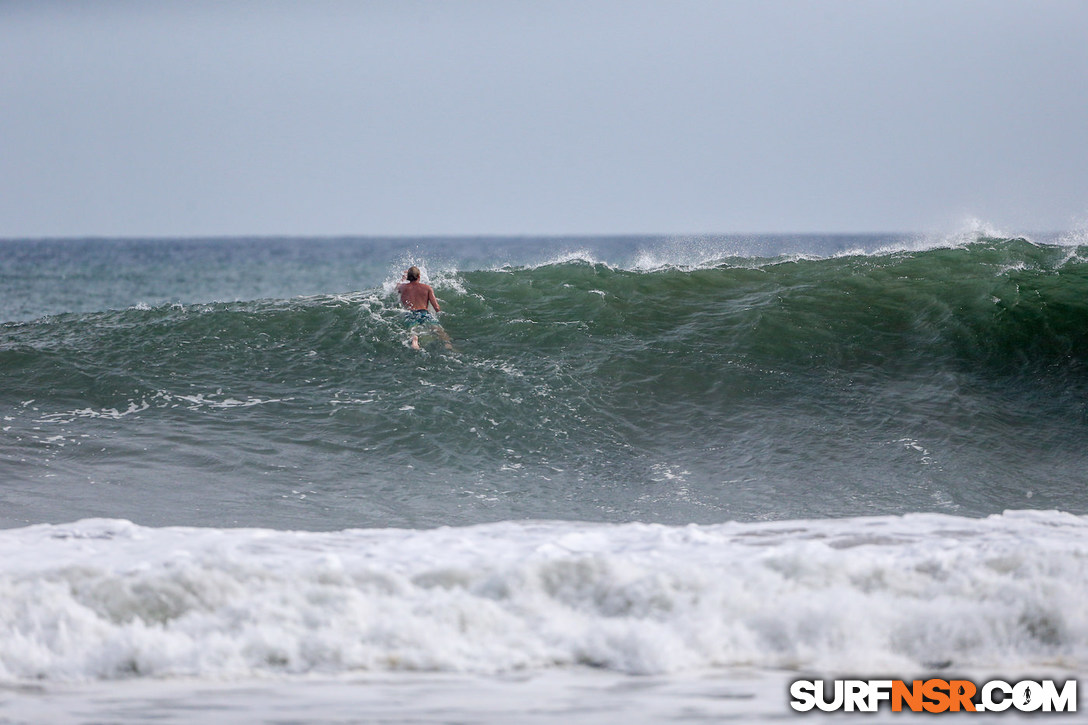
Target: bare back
(416, 296)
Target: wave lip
(107, 599)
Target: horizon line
(489, 235)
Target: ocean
(655, 478)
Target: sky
(179, 119)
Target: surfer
(416, 296)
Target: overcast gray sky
(374, 118)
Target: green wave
(868, 383)
(1006, 305)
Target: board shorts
(418, 317)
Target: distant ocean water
(651, 456)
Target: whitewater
(655, 479)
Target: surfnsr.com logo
(934, 695)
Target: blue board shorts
(418, 317)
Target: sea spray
(106, 599)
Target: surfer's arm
(433, 300)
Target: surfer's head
(413, 274)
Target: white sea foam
(568, 257)
(1077, 237)
(444, 278)
(160, 399)
(105, 599)
(696, 252)
(690, 253)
